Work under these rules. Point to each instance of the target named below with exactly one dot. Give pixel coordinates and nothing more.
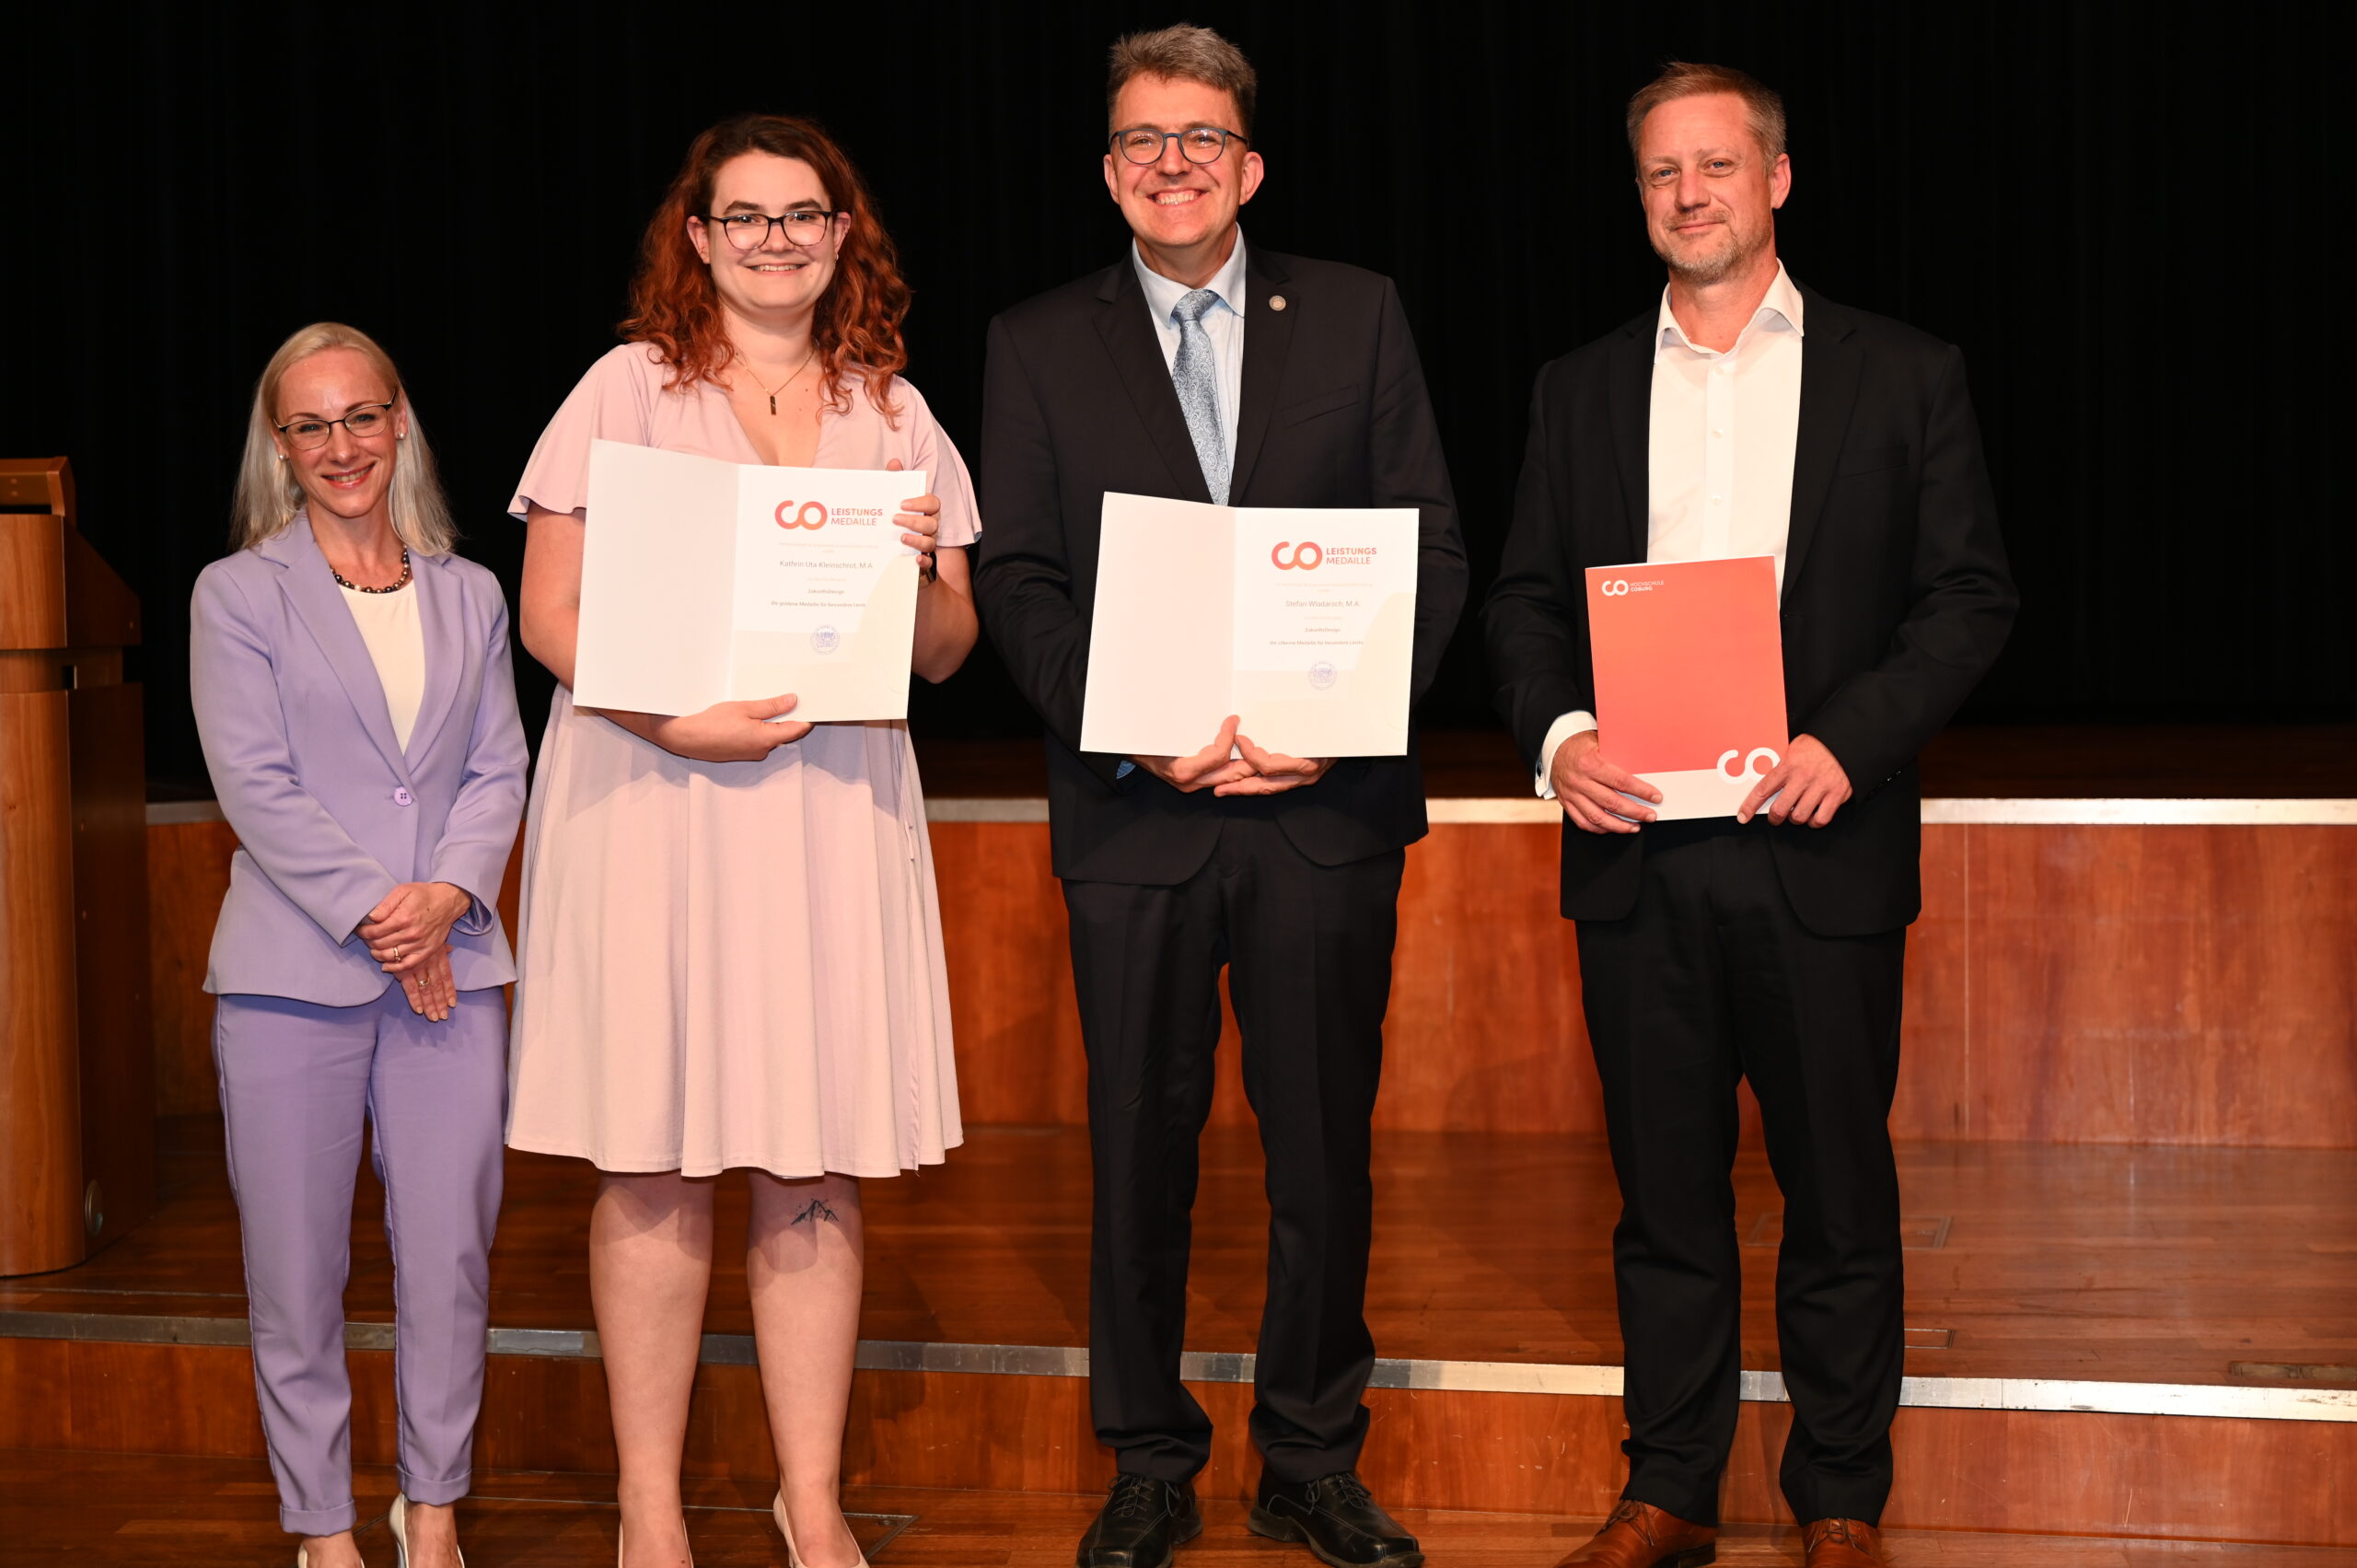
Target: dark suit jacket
(1896, 596)
(1078, 401)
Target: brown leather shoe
(1843, 1543)
(1639, 1535)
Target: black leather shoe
(1337, 1520)
(1141, 1522)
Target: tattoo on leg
(814, 1211)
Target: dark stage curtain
(2119, 211)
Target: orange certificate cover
(1689, 677)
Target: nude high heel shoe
(397, 1520)
(794, 1558)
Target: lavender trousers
(297, 1079)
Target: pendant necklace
(772, 392)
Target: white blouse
(396, 639)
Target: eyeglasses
(369, 419)
(805, 227)
(1200, 143)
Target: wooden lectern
(78, 1099)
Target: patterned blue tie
(1195, 374)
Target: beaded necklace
(342, 581)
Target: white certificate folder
(1302, 621)
(704, 581)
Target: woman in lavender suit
(353, 691)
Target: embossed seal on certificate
(826, 639)
(1321, 675)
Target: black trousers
(1712, 979)
(1308, 953)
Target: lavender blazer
(330, 813)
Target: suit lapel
(1268, 339)
(1137, 357)
(1631, 372)
(1830, 372)
(440, 626)
(310, 588)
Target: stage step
(2080, 1470)
(2104, 1340)
(139, 1511)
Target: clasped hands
(409, 936)
(1231, 764)
(749, 731)
(1807, 787)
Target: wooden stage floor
(136, 1510)
(2208, 1266)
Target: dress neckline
(828, 419)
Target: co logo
(1306, 555)
(810, 514)
(1619, 589)
(1752, 763)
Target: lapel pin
(1276, 302)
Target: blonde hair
(1683, 78)
(268, 496)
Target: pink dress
(728, 964)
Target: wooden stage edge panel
(2244, 1402)
(2065, 1472)
(142, 1512)
(2085, 970)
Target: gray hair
(268, 497)
(1183, 54)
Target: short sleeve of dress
(961, 521)
(614, 402)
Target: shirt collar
(1779, 311)
(1163, 295)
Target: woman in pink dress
(731, 952)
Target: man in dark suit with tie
(1201, 368)
(1746, 415)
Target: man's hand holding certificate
(706, 582)
(1294, 628)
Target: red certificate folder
(1689, 677)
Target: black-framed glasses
(1197, 143)
(803, 226)
(368, 419)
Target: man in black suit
(1749, 416)
(1201, 368)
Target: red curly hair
(856, 328)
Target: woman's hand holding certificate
(730, 732)
(921, 520)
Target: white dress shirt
(1719, 452)
(396, 639)
(1223, 323)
